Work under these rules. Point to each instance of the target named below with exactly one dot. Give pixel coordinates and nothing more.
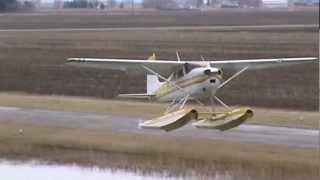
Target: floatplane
(178, 81)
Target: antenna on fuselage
(178, 57)
(202, 58)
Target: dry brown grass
(288, 118)
(152, 152)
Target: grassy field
(34, 62)
(287, 118)
(147, 18)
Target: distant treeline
(164, 4)
(158, 4)
(14, 5)
(89, 4)
(80, 4)
(7, 5)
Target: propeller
(213, 97)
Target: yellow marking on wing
(153, 57)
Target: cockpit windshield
(188, 67)
(185, 69)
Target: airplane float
(181, 81)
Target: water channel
(35, 170)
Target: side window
(178, 73)
(187, 68)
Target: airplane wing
(260, 63)
(166, 67)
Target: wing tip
(71, 59)
(76, 59)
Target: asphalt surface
(172, 28)
(106, 121)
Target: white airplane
(180, 81)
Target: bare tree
(160, 4)
(149, 3)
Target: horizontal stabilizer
(135, 96)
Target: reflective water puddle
(34, 170)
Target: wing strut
(233, 76)
(174, 104)
(223, 84)
(221, 102)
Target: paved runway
(176, 28)
(105, 121)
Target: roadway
(107, 121)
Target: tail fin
(153, 84)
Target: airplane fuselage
(200, 83)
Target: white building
(275, 3)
